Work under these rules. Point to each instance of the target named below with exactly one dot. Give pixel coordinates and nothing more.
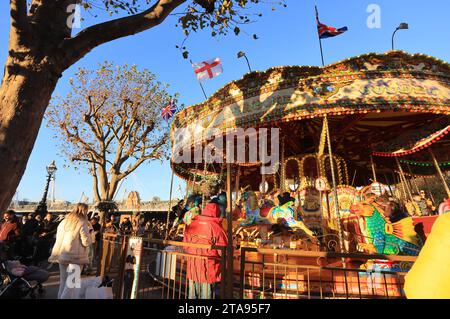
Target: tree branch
(98, 34)
(95, 184)
(76, 137)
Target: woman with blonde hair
(72, 246)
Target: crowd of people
(72, 240)
(28, 238)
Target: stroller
(18, 281)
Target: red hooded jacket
(205, 229)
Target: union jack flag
(169, 110)
(327, 31)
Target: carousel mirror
(293, 184)
(292, 173)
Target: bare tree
(110, 122)
(42, 47)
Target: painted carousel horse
(286, 213)
(268, 213)
(249, 206)
(381, 235)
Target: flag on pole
(207, 69)
(327, 31)
(169, 110)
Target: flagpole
(203, 89)
(320, 40)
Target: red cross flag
(207, 69)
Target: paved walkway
(51, 286)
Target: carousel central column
(229, 235)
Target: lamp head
(240, 54)
(403, 26)
(51, 168)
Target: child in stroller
(19, 281)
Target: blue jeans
(198, 290)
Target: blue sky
(287, 36)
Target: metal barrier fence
(259, 272)
(162, 271)
(164, 267)
(290, 274)
(111, 260)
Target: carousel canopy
(370, 101)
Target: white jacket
(72, 243)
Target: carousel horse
(383, 236)
(268, 213)
(254, 215)
(286, 212)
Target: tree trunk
(24, 95)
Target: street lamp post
(41, 209)
(242, 55)
(402, 26)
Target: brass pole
(436, 164)
(389, 185)
(375, 174)
(204, 180)
(429, 190)
(229, 235)
(403, 192)
(402, 176)
(263, 182)
(373, 169)
(170, 201)
(413, 179)
(236, 186)
(333, 178)
(282, 167)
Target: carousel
(348, 158)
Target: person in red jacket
(203, 274)
(9, 231)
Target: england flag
(207, 69)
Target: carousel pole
(398, 182)
(263, 183)
(353, 180)
(236, 185)
(170, 204)
(429, 190)
(436, 164)
(373, 169)
(375, 174)
(403, 194)
(403, 177)
(333, 178)
(388, 184)
(229, 235)
(413, 179)
(282, 167)
(204, 180)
